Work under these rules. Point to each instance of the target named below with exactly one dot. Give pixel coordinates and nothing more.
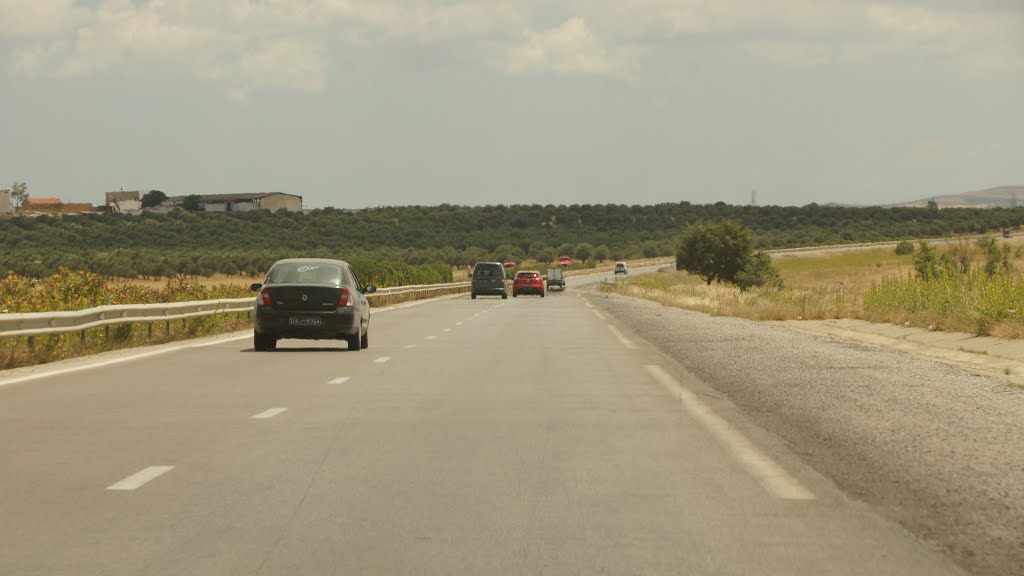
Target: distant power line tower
(753, 197)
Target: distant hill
(1004, 196)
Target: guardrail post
(31, 342)
(81, 337)
(149, 330)
(167, 328)
(106, 332)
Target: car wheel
(355, 343)
(473, 296)
(514, 294)
(541, 294)
(504, 295)
(365, 341)
(262, 342)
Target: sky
(360, 103)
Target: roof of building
(233, 197)
(42, 201)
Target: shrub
(904, 247)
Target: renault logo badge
(304, 297)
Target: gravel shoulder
(929, 444)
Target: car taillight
(345, 301)
(265, 297)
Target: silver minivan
(488, 278)
(621, 268)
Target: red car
(564, 261)
(528, 282)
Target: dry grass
(818, 286)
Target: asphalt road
(488, 436)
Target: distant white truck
(555, 278)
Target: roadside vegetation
(969, 286)
(78, 290)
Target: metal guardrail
(52, 323)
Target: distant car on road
(311, 298)
(488, 279)
(528, 282)
(621, 268)
(564, 261)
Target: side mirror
(369, 289)
(255, 287)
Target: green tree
(538, 248)
(153, 198)
(19, 193)
(714, 251)
(192, 203)
(757, 272)
(904, 247)
(584, 251)
(601, 252)
(547, 255)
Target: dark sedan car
(311, 298)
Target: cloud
(245, 44)
(293, 64)
(38, 18)
(570, 47)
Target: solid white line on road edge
(340, 380)
(598, 314)
(102, 363)
(431, 338)
(625, 341)
(140, 478)
(268, 413)
(764, 469)
(382, 359)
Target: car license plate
(304, 320)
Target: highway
(488, 436)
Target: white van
(621, 268)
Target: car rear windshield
(527, 275)
(489, 271)
(305, 273)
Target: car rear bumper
(340, 323)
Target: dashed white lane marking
(340, 380)
(410, 345)
(431, 338)
(266, 414)
(447, 329)
(625, 341)
(598, 314)
(140, 478)
(764, 469)
(458, 323)
(382, 359)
